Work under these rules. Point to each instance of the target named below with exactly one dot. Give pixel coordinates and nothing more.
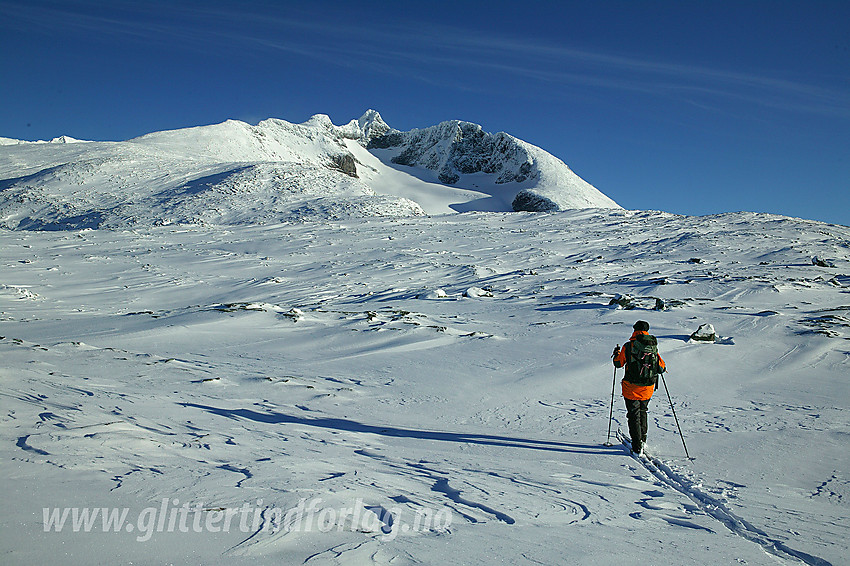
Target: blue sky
(684, 106)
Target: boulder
(476, 292)
(705, 333)
(625, 302)
(821, 262)
(434, 294)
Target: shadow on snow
(348, 425)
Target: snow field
(224, 366)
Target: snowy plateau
(319, 344)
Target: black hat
(641, 325)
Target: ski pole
(682, 436)
(611, 412)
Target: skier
(643, 364)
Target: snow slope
(229, 173)
(372, 372)
(236, 173)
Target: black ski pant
(636, 414)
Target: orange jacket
(630, 390)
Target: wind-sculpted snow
(428, 390)
(236, 173)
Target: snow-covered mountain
(236, 173)
(462, 153)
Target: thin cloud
(632, 74)
(425, 53)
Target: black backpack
(642, 360)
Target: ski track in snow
(344, 361)
(715, 509)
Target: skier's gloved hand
(616, 351)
